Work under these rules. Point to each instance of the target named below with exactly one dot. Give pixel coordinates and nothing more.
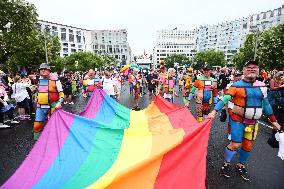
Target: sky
(142, 19)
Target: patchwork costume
(207, 92)
(248, 101)
(49, 92)
(187, 87)
(89, 85)
(168, 88)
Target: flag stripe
(34, 167)
(138, 140)
(106, 147)
(76, 149)
(143, 174)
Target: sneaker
(3, 126)
(226, 170)
(15, 122)
(71, 103)
(243, 172)
(65, 102)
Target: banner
(111, 146)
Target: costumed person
(249, 98)
(49, 96)
(168, 85)
(187, 86)
(207, 92)
(90, 82)
(136, 82)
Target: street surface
(265, 168)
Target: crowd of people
(244, 94)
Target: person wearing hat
(49, 97)
(249, 100)
(207, 92)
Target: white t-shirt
(280, 138)
(20, 92)
(108, 86)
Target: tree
(108, 61)
(210, 57)
(245, 53)
(177, 58)
(271, 48)
(21, 43)
(86, 61)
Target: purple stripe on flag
(48, 147)
(94, 104)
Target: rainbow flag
(111, 146)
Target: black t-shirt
(150, 79)
(222, 83)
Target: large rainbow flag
(111, 146)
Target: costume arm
(268, 110)
(60, 91)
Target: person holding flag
(207, 92)
(249, 100)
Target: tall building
(174, 41)
(113, 42)
(226, 36)
(74, 39)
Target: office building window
(63, 36)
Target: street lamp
(256, 31)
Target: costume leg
(247, 143)
(237, 130)
(40, 116)
(199, 112)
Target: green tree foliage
(245, 53)
(89, 60)
(210, 57)
(21, 44)
(271, 48)
(178, 58)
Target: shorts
(238, 132)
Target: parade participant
(109, 85)
(187, 86)
(168, 85)
(66, 81)
(49, 97)
(90, 82)
(249, 97)
(136, 82)
(21, 96)
(118, 82)
(207, 91)
(152, 79)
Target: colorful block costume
(49, 92)
(168, 85)
(249, 100)
(187, 87)
(207, 91)
(90, 84)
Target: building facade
(227, 36)
(73, 39)
(168, 42)
(112, 42)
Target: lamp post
(45, 46)
(256, 32)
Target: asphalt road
(265, 168)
